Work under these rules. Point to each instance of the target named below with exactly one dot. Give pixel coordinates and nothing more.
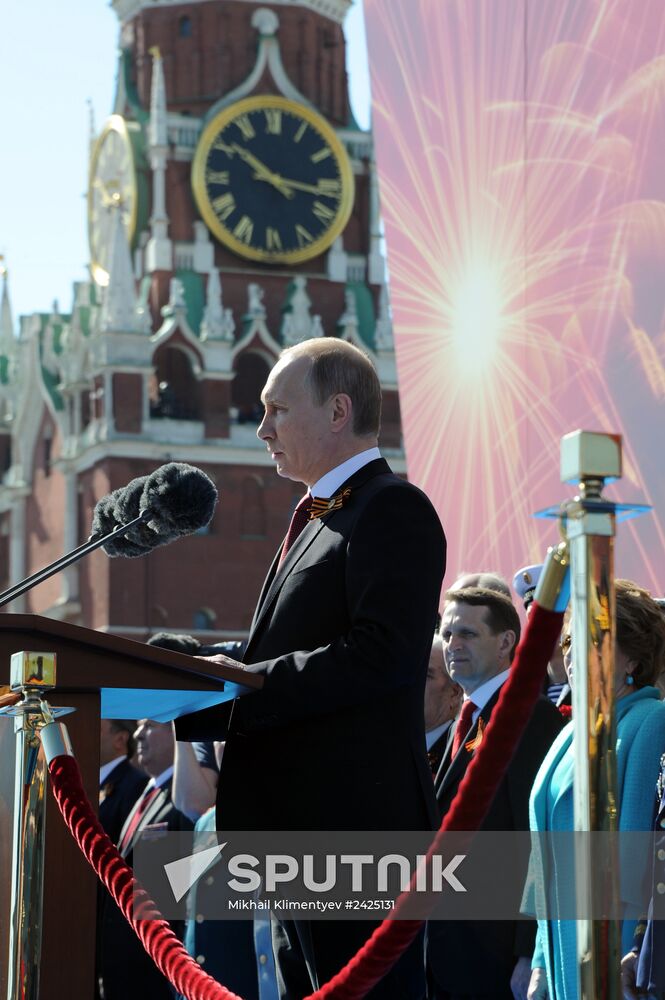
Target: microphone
(176, 500)
(116, 509)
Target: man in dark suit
(480, 630)
(120, 783)
(443, 699)
(124, 970)
(341, 635)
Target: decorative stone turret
(218, 322)
(298, 324)
(347, 325)
(383, 335)
(119, 302)
(159, 250)
(9, 352)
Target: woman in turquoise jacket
(640, 718)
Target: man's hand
(222, 661)
(628, 973)
(538, 985)
(519, 981)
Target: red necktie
(299, 519)
(147, 797)
(463, 725)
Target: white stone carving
(218, 322)
(255, 306)
(383, 334)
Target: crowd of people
(376, 696)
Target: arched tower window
(185, 27)
(177, 393)
(251, 373)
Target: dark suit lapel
(452, 771)
(278, 574)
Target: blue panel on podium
(162, 706)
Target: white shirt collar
(484, 692)
(161, 779)
(106, 769)
(328, 485)
(433, 735)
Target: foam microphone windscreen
(141, 538)
(120, 507)
(181, 500)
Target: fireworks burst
(520, 160)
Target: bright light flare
(477, 319)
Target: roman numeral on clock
(273, 239)
(329, 187)
(322, 154)
(303, 236)
(273, 120)
(224, 205)
(245, 126)
(244, 230)
(322, 212)
(217, 176)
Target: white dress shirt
(106, 769)
(484, 692)
(328, 485)
(432, 736)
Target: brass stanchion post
(590, 459)
(33, 674)
(588, 521)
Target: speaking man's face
(295, 428)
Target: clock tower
(232, 211)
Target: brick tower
(232, 211)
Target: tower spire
(159, 252)
(118, 309)
(7, 338)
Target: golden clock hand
(263, 173)
(108, 199)
(301, 186)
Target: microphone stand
(43, 574)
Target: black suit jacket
(117, 796)
(122, 963)
(341, 634)
(478, 957)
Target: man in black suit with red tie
(120, 783)
(341, 635)
(482, 959)
(124, 970)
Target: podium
(98, 675)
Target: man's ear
(342, 412)
(508, 640)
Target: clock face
(272, 180)
(112, 188)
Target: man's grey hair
(338, 366)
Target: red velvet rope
(389, 940)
